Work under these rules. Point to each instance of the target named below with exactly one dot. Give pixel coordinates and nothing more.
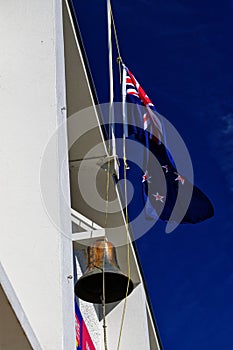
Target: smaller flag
(78, 326)
(83, 338)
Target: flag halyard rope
(125, 134)
(111, 22)
(119, 58)
(110, 150)
(126, 167)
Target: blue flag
(166, 193)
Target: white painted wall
(32, 96)
(135, 328)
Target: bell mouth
(90, 288)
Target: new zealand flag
(167, 194)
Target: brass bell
(89, 287)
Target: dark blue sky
(182, 54)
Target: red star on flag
(146, 177)
(158, 197)
(179, 178)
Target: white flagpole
(111, 93)
(124, 112)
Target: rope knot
(126, 164)
(119, 59)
